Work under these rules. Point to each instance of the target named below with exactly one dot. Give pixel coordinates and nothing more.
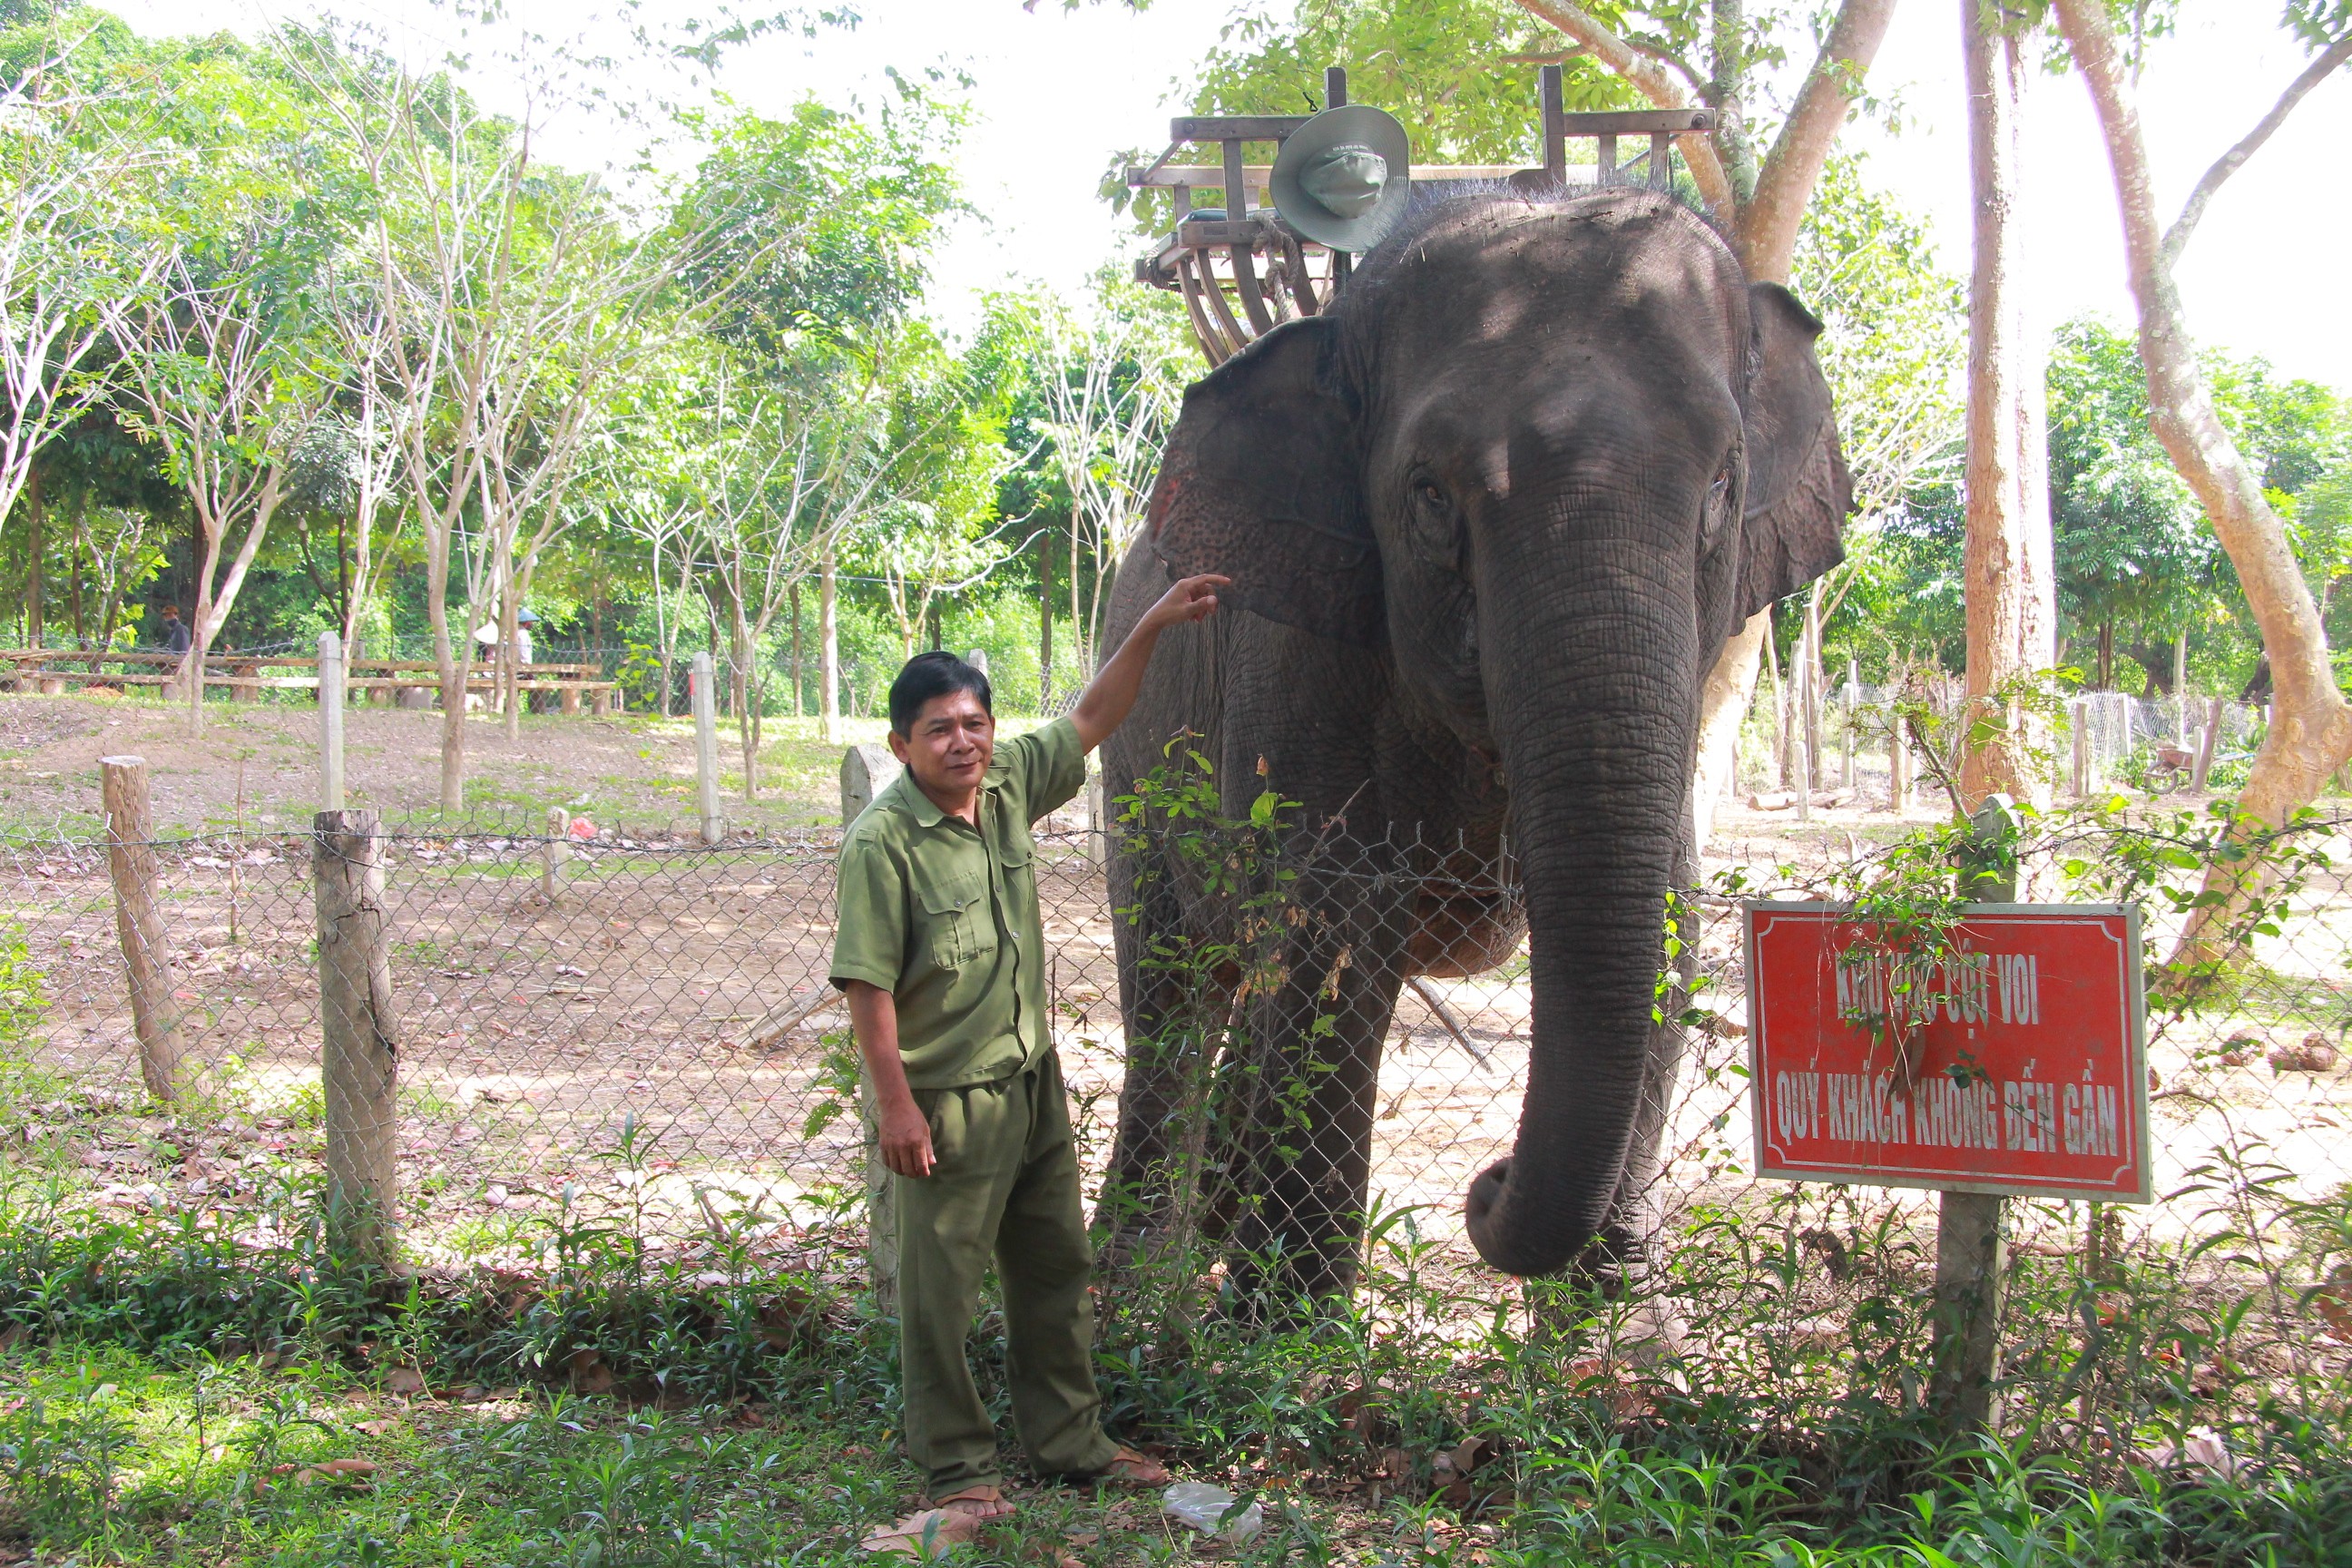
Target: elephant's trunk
(1595, 733)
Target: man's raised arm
(1104, 705)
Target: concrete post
(866, 771)
(704, 699)
(330, 721)
(2078, 717)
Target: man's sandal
(1129, 1469)
(949, 1522)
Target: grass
(167, 1377)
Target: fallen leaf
(588, 1372)
(404, 1380)
(2334, 1299)
(376, 1428)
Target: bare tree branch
(1768, 228)
(1652, 81)
(2175, 238)
(1658, 50)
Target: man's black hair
(929, 675)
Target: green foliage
(2137, 562)
(813, 229)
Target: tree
(2134, 559)
(68, 257)
(1893, 349)
(2310, 734)
(2011, 599)
(818, 227)
(228, 383)
(1109, 384)
(783, 478)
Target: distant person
(175, 631)
(941, 953)
(524, 621)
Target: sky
(1057, 92)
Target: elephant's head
(1549, 454)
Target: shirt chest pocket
(958, 925)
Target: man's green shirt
(944, 916)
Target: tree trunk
(828, 649)
(511, 649)
(1813, 684)
(798, 707)
(747, 717)
(452, 667)
(2011, 603)
(200, 626)
(1721, 718)
(1045, 623)
(36, 514)
(2180, 687)
(2310, 734)
(81, 513)
(1782, 763)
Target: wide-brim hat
(1343, 178)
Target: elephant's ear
(1260, 482)
(1797, 489)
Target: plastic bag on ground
(1203, 1507)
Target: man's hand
(906, 1136)
(1192, 599)
(1104, 705)
(906, 1139)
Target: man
(941, 953)
(175, 630)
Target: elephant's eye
(1719, 501)
(1436, 531)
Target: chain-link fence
(1338, 1029)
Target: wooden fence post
(131, 857)
(1971, 1249)
(361, 1061)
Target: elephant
(1488, 521)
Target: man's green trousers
(1004, 1179)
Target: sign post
(2007, 1058)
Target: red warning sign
(2010, 1057)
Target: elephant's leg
(1157, 1152)
(1303, 1138)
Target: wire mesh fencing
(1331, 1031)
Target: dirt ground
(620, 1039)
(257, 762)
